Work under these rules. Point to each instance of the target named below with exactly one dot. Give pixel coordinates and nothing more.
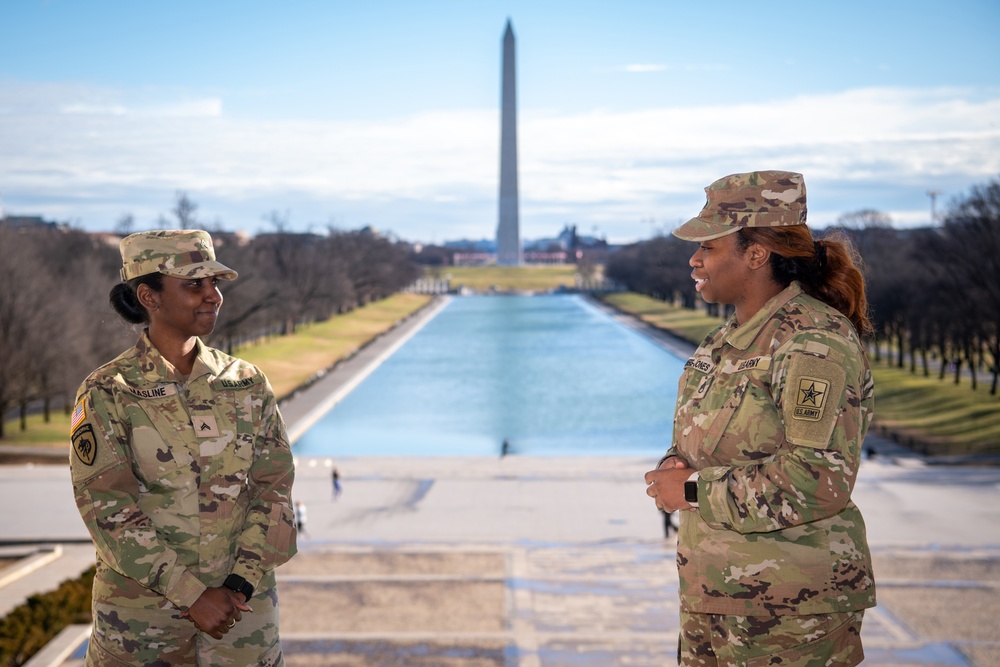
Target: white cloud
(611, 168)
(94, 109)
(645, 68)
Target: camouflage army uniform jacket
(772, 413)
(181, 483)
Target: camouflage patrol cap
(182, 253)
(755, 199)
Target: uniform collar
(156, 369)
(742, 337)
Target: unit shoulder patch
(85, 444)
(811, 399)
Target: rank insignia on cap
(810, 398)
(85, 444)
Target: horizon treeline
(933, 292)
(57, 325)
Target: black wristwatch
(691, 491)
(235, 582)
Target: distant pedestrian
(668, 523)
(335, 477)
(504, 448)
(300, 518)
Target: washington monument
(508, 226)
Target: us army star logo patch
(810, 398)
(85, 444)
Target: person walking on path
(182, 472)
(300, 518)
(668, 523)
(335, 476)
(771, 413)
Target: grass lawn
(692, 325)
(509, 278)
(936, 417)
(288, 361)
(54, 434)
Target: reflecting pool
(552, 375)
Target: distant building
(25, 221)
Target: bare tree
(657, 267)
(56, 324)
(970, 255)
(125, 224)
(184, 210)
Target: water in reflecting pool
(552, 375)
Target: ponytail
(829, 269)
(125, 301)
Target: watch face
(691, 492)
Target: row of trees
(56, 325)
(934, 292)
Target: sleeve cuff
(186, 592)
(713, 506)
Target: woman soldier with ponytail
(771, 413)
(182, 472)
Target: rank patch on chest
(703, 386)
(85, 444)
(205, 427)
(810, 399)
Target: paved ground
(548, 562)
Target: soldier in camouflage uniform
(771, 413)
(182, 472)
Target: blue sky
(349, 114)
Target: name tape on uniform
(159, 391)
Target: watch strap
(235, 582)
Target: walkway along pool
(552, 375)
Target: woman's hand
(665, 485)
(217, 610)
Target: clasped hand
(665, 485)
(217, 610)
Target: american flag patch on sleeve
(79, 414)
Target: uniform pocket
(156, 458)
(724, 415)
(243, 448)
(230, 449)
(834, 640)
